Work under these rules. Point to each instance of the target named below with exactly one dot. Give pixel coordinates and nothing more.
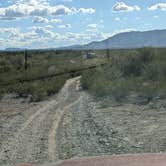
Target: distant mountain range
(134, 39)
(15, 49)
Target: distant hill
(70, 47)
(134, 39)
(15, 49)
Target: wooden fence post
(25, 59)
(108, 51)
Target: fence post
(25, 59)
(108, 51)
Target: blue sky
(55, 23)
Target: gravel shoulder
(90, 129)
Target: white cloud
(117, 19)
(9, 30)
(43, 37)
(40, 20)
(23, 8)
(156, 16)
(33, 2)
(49, 26)
(43, 32)
(88, 11)
(92, 26)
(7, 18)
(64, 26)
(56, 20)
(159, 6)
(122, 31)
(86, 37)
(122, 7)
(61, 10)
(34, 36)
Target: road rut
(35, 140)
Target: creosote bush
(141, 71)
(40, 64)
(37, 90)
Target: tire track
(53, 151)
(38, 113)
(16, 148)
(35, 141)
(64, 103)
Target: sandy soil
(73, 124)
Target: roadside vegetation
(139, 71)
(39, 64)
(36, 90)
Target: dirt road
(35, 139)
(74, 124)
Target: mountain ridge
(123, 40)
(127, 40)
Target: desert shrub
(42, 89)
(146, 55)
(17, 62)
(132, 65)
(155, 71)
(129, 65)
(99, 81)
(4, 69)
(5, 65)
(37, 90)
(141, 71)
(112, 73)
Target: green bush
(141, 71)
(129, 64)
(37, 90)
(146, 55)
(155, 71)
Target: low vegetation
(36, 90)
(40, 63)
(136, 70)
(140, 71)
